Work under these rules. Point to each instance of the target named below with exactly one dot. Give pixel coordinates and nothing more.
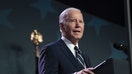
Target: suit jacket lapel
(69, 55)
(87, 60)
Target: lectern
(106, 67)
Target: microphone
(121, 46)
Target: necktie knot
(77, 50)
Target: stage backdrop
(18, 18)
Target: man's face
(74, 26)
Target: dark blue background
(18, 18)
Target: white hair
(63, 15)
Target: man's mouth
(76, 31)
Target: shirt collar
(69, 44)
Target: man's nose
(77, 23)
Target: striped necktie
(79, 56)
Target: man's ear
(61, 27)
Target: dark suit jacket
(56, 58)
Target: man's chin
(78, 38)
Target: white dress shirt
(69, 44)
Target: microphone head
(120, 46)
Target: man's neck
(74, 42)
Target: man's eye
(72, 20)
(80, 21)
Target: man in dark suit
(63, 56)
